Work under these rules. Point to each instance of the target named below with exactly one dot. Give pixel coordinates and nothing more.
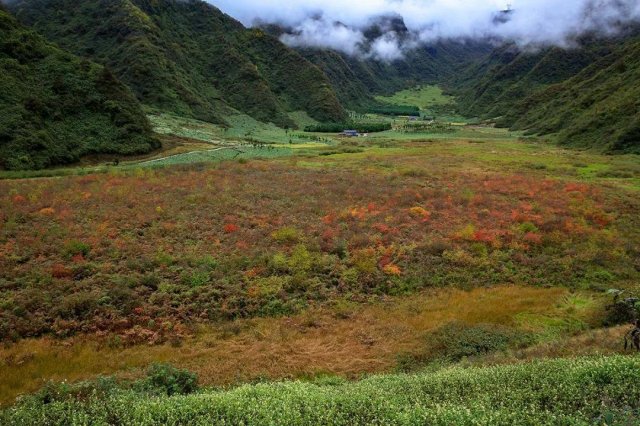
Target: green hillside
(598, 108)
(586, 96)
(56, 108)
(557, 392)
(357, 79)
(187, 57)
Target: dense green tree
(56, 108)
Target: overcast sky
(534, 22)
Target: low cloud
(344, 26)
(320, 33)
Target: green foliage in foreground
(568, 392)
(56, 108)
(339, 127)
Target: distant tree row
(339, 127)
(409, 110)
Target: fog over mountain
(343, 25)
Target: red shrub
(533, 238)
(381, 227)
(60, 271)
(230, 228)
(484, 236)
(19, 199)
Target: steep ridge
(357, 78)
(187, 57)
(597, 108)
(56, 108)
(586, 96)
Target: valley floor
(315, 257)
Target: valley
(209, 222)
(305, 282)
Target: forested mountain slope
(56, 108)
(586, 95)
(187, 57)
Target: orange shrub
(420, 213)
(60, 271)
(392, 269)
(47, 211)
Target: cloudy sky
(338, 24)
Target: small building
(350, 133)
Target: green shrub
(339, 127)
(169, 380)
(528, 227)
(58, 392)
(286, 235)
(74, 248)
(622, 312)
(455, 341)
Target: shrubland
(146, 254)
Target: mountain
(586, 95)
(188, 57)
(56, 108)
(357, 78)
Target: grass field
(345, 339)
(430, 99)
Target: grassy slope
(585, 95)
(596, 108)
(577, 392)
(188, 57)
(56, 108)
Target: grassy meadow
(254, 253)
(430, 99)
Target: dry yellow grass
(362, 339)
